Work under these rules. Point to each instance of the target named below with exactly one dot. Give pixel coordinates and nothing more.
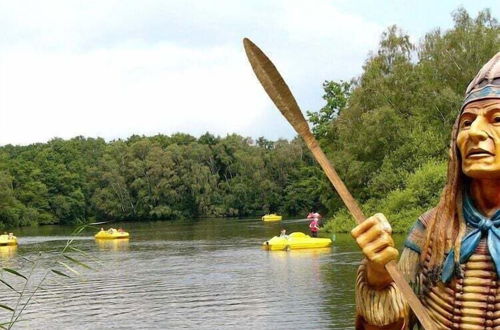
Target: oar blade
(275, 87)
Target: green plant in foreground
(65, 263)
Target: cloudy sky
(113, 68)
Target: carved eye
(496, 120)
(467, 123)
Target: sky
(114, 68)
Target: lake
(203, 274)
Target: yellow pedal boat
(272, 217)
(111, 234)
(296, 240)
(8, 240)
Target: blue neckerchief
(483, 226)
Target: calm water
(204, 274)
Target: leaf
(9, 324)
(10, 286)
(79, 229)
(87, 255)
(6, 307)
(28, 260)
(12, 271)
(98, 223)
(77, 261)
(68, 267)
(84, 253)
(59, 273)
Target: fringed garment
(471, 300)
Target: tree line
(160, 177)
(387, 133)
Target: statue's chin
(482, 172)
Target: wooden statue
(451, 257)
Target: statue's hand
(374, 238)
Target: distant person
(120, 230)
(319, 217)
(314, 226)
(11, 235)
(283, 233)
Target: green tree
(336, 97)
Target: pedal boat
(294, 241)
(6, 240)
(272, 217)
(111, 234)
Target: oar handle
(334, 178)
(353, 207)
(415, 304)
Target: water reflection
(301, 253)
(8, 251)
(121, 244)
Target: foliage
(401, 206)
(336, 97)
(23, 288)
(149, 178)
(386, 132)
(392, 138)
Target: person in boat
(283, 233)
(120, 230)
(11, 235)
(319, 217)
(314, 226)
(452, 254)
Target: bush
(401, 207)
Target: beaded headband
(486, 84)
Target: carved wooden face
(479, 139)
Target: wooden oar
(282, 97)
